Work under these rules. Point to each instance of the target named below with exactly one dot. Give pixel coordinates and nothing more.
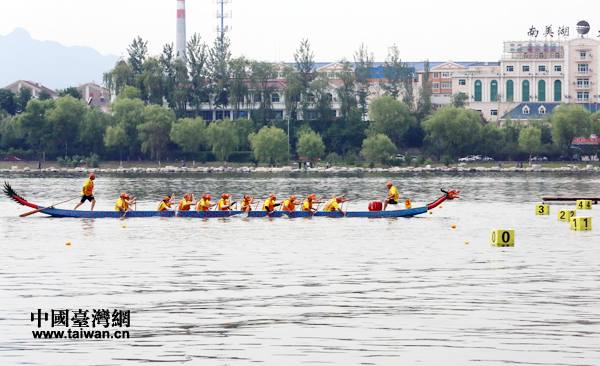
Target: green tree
(197, 57)
(44, 95)
(72, 91)
(363, 61)
(424, 106)
(492, 140)
(345, 92)
(323, 99)
(346, 134)
(310, 145)
(305, 64)
(137, 51)
(395, 71)
(154, 132)
(390, 117)
(569, 121)
(452, 131)
(269, 144)
(10, 131)
(130, 92)
(292, 92)
(244, 127)
(23, 97)
(262, 90)
(116, 136)
(530, 139)
(152, 78)
(378, 148)
(118, 78)
(129, 114)
(459, 100)
(7, 101)
(92, 129)
(238, 90)
(64, 121)
(219, 62)
(222, 137)
(189, 134)
(36, 130)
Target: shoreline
(290, 169)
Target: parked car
(539, 158)
(14, 158)
(487, 158)
(468, 158)
(397, 156)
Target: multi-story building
(532, 78)
(36, 88)
(95, 95)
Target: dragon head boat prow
(13, 195)
(448, 195)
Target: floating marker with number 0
(542, 209)
(581, 223)
(503, 238)
(584, 205)
(565, 215)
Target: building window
(582, 69)
(276, 115)
(494, 112)
(312, 116)
(334, 113)
(206, 115)
(494, 91)
(542, 110)
(557, 68)
(462, 82)
(541, 91)
(436, 75)
(446, 74)
(582, 55)
(510, 95)
(446, 85)
(280, 75)
(583, 83)
(525, 55)
(583, 96)
(557, 91)
(541, 55)
(525, 90)
(275, 98)
(510, 68)
(220, 115)
(478, 91)
(542, 68)
(525, 68)
(311, 98)
(436, 85)
(526, 110)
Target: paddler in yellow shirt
(307, 205)
(270, 204)
(120, 205)
(186, 202)
(247, 202)
(86, 192)
(224, 204)
(333, 204)
(165, 205)
(289, 204)
(392, 197)
(204, 204)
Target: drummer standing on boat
(392, 197)
(86, 192)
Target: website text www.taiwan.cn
(87, 324)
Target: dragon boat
(54, 212)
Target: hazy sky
(438, 30)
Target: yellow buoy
(454, 226)
(68, 243)
(428, 218)
(440, 206)
(123, 226)
(466, 242)
(430, 212)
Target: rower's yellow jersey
(162, 206)
(394, 193)
(291, 205)
(203, 202)
(223, 202)
(245, 204)
(120, 202)
(184, 205)
(125, 204)
(88, 186)
(268, 205)
(307, 205)
(331, 205)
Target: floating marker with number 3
(565, 215)
(542, 209)
(407, 204)
(581, 223)
(584, 205)
(503, 238)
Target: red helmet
(127, 196)
(186, 196)
(312, 196)
(293, 197)
(167, 198)
(225, 195)
(273, 196)
(92, 176)
(339, 199)
(247, 197)
(122, 195)
(208, 197)
(389, 184)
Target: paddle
(52, 206)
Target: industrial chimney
(180, 43)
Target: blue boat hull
(211, 214)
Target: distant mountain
(49, 63)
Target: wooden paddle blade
(32, 212)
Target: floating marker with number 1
(503, 238)
(581, 223)
(584, 205)
(542, 209)
(565, 215)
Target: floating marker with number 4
(565, 215)
(584, 205)
(581, 223)
(542, 209)
(503, 238)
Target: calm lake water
(349, 291)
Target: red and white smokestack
(180, 42)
